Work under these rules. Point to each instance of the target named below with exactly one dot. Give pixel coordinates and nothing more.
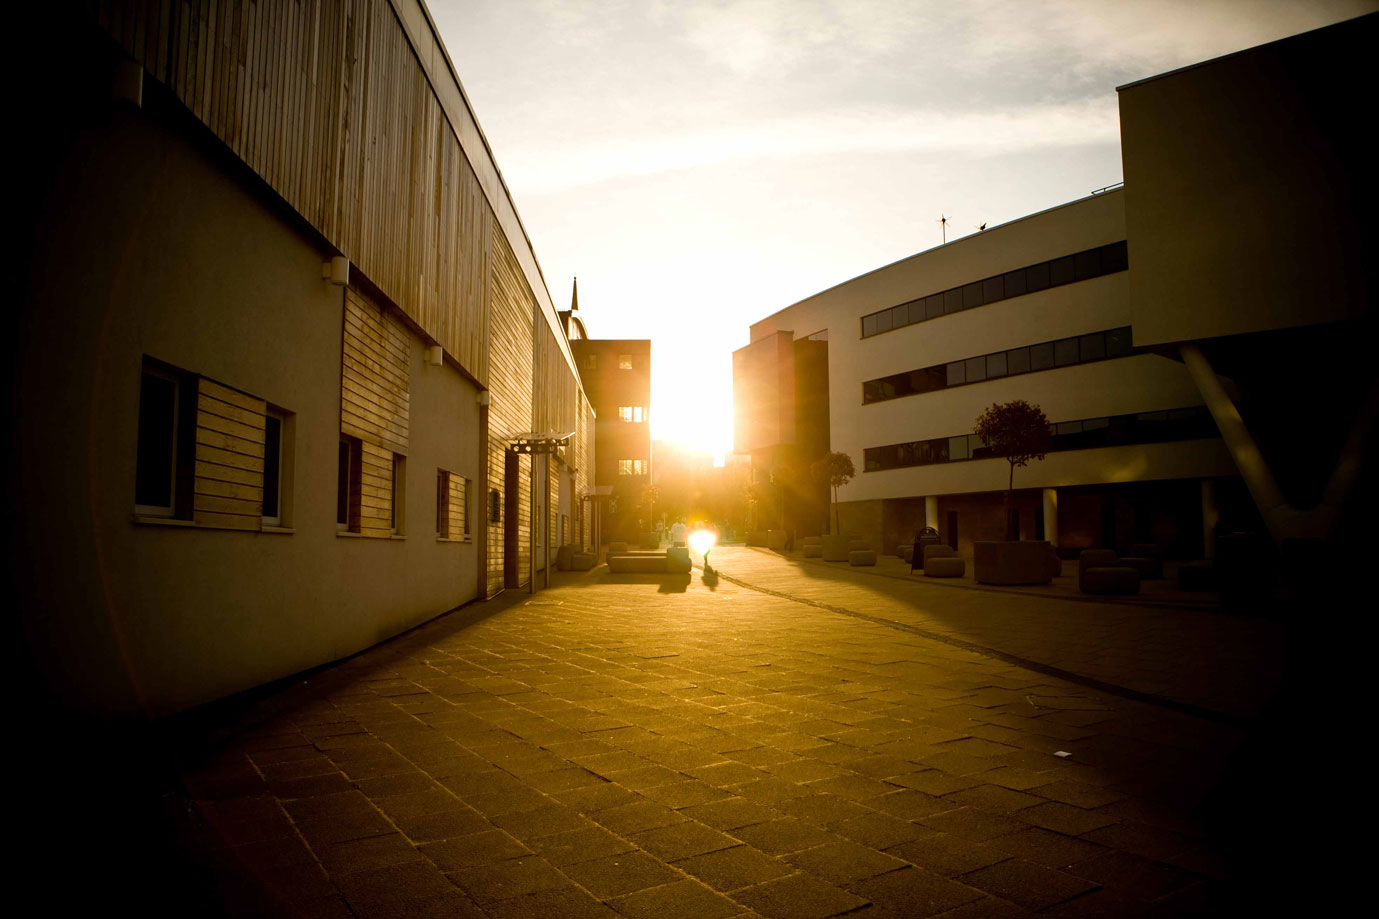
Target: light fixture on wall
(435, 355)
(483, 398)
(336, 271)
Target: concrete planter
(836, 548)
(1023, 562)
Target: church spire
(574, 297)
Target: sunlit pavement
(671, 747)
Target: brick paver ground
(644, 747)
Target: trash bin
(924, 536)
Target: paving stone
(679, 900)
(685, 794)
(681, 840)
(949, 855)
(935, 781)
(477, 849)
(996, 798)
(592, 798)
(799, 896)
(844, 862)
(1028, 884)
(579, 845)
(567, 902)
(393, 883)
(397, 783)
(1147, 841)
(541, 821)
(787, 834)
(974, 823)
(730, 813)
(770, 790)
(914, 892)
(486, 883)
(1136, 878)
(457, 821)
(370, 852)
(822, 809)
(452, 905)
(636, 817)
(733, 868)
(617, 875)
(1064, 818)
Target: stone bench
(944, 566)
(859, 557)
(813, 550)
(1150, 568)
(583, 561)
(637, 564)
(906, 551)
(678, 560)
(1118, 580)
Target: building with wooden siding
(1198, 337)
(280, 328)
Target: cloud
(590, 161)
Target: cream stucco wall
(151, 245)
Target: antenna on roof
(981, 227)
(943, 222)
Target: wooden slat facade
(349, 111)
(228, 483)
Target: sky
(699, 165)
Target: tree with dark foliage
(1019, 432)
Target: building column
(1051, 516)
(1211, 516)
(931, 511)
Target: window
(452, 505)
(349, 483)
(591, 362)
(632, 413)
(165, 459)
(632, 467)
(624, 362)
(495, 506)
(397, 517)
(1079, 266)
(273, 467)
(1083, 349)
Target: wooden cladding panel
(375, 394)
(327, 102)
(510, 395)
(376, 492)
(228, 484)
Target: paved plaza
(784, 739)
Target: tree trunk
(1012, 522)
(835, 510)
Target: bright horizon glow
(703, 164)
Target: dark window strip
(1194, 423)
(1080, 266)
(1079, 349)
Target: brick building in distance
(616, 374)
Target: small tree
(837, 470)
(1019, 432)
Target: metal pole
(531, 531)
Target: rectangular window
(957, 447)
(1115, 257)
(591, 362)
(1092, 347)
(468, 501)
(155, 477)
(1118, 342)
(624, 362)
(992, 290)
(972, 295)
(631, 467)
(900, 316)
(349, 483)
(883, 321)
(273, 467)
(933, 306)
(868, 326)
(996, 365)
(397, 522)
(952, 300)
(1037, 276)
(1087, 264)
(1065, 352)
(1041, 356)
(442, 503)
(916, 311)
(1014, 282)
(1017, 360)
(632, 413)
(976, 369)
(1061, 271)
(957, 373)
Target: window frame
(162, 372)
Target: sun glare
(701, 541)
